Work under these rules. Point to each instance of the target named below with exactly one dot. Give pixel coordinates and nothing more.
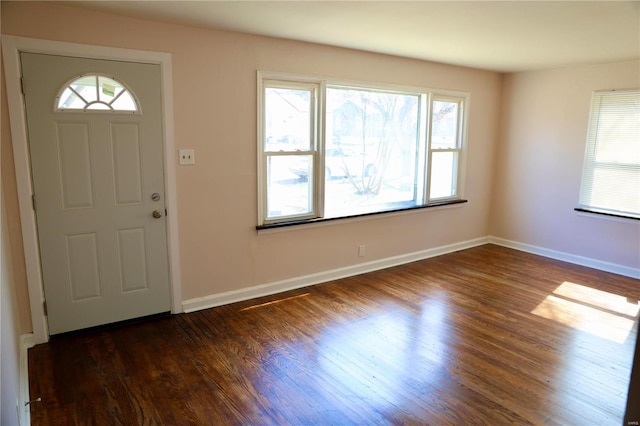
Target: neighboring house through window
(332, 149)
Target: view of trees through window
(290, 146)
(371, 148)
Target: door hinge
(33, 201)
(44, 308)
(22, 85)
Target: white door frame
(12, 46)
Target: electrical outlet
(187, 157)
(361, 249)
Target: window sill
(330, 219)
(605, 214)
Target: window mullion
(427, 190)
(319, 186)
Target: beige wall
(9, 322)
(9, 334)
(215, 113)
(543, 133)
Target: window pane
(98, 106)
(611, 173)
(69, 100)
(444, 133)
(287, 119)
(86, 87)
(108, 89)
(618, 132)
(443, 174)
(371, 149)
(124, 102)
(616, 189)
(289, 190)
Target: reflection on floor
(482, 336)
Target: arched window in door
(97, 93)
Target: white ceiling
(501, 36)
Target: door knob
(157, 214)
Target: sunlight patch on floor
(596, 312)
(273, 302)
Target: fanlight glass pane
(70, 100)
(124, 102)
(98, 106)
(86, 87)
(97, 93)
(108, 89)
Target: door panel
(74, 165)
(103, 255)
(82, 264)
(125, 145)
(133, 255)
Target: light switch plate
(187, 157)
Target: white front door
(98, 180)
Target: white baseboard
(27, 341)
(568, 257)
(268, 289)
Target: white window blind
(611, 173)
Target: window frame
(266, 79)
(460, 150)
(591, 163)
(315, 144)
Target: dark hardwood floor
(483, 336)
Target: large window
(329, 150)
(611, 173)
